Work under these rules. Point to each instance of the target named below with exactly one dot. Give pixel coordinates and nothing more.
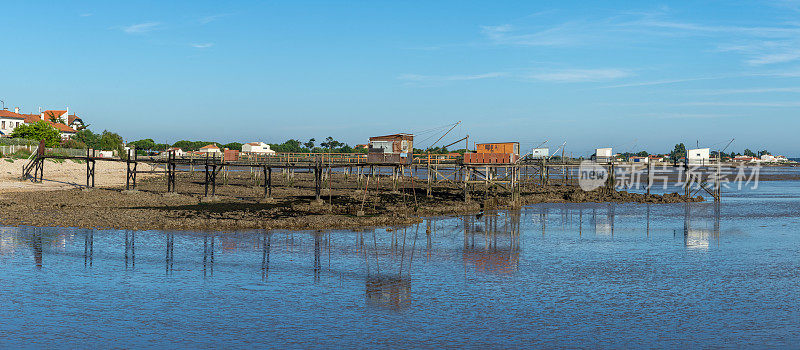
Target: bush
(21, 153)
(38, 131)
(70, 143)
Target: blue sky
(631, 75)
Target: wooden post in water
(465, 180)
(318, 180)
(649, 176)
(429, 187)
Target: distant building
(257, 147)
(655, 158)
(744, 159)
(178, 152)
(699, 156)
(603, 155)
(211, 148)
(362, 147)
(768, 158)
(539, 153)
(643, 160)
(396, 148)
(9, 121)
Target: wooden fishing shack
(391, 149)
(493, 153)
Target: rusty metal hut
(493, 153)
(391, 149)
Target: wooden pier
(430, 170)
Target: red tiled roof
(71, 118)
(9, 114)
(210, 146)
(61, 127)
(31, 118)
(56, 113)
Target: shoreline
(239, 205)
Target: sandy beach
(68, 174)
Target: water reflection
(208, 255)
(699, 237)
(130, 249)
(497, 236)
(392, 292)
(266, 245)
(88, 248)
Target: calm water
(550, 275)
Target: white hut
(540, 153)
(699, 156)
(603, 154)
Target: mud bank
(239, 205)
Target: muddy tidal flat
(239, 204)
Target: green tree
(51, 116)
(88, 138)
(39, 130)
(749, 153)
(233, 145)
(763, 152)
(677, 153)
(193, 145)
(290, 146)
(330, 144)
(70, 143)
(346, 149)
(111, 141)
(310, 143)
(146, 144)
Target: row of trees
(329, 145)
(680, 151)
(84, 138)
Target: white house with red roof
(10, 120)
(211, 148)
(257, 147)
(178, 152)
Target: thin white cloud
(439, 78)
(202, 45)
(759, 45)
(141, 28)
(751, 91)
(581, 75)
(565, 34)
(211, 18)
(743, 104)
(690, 115)
(663, 82)
(773, 58)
